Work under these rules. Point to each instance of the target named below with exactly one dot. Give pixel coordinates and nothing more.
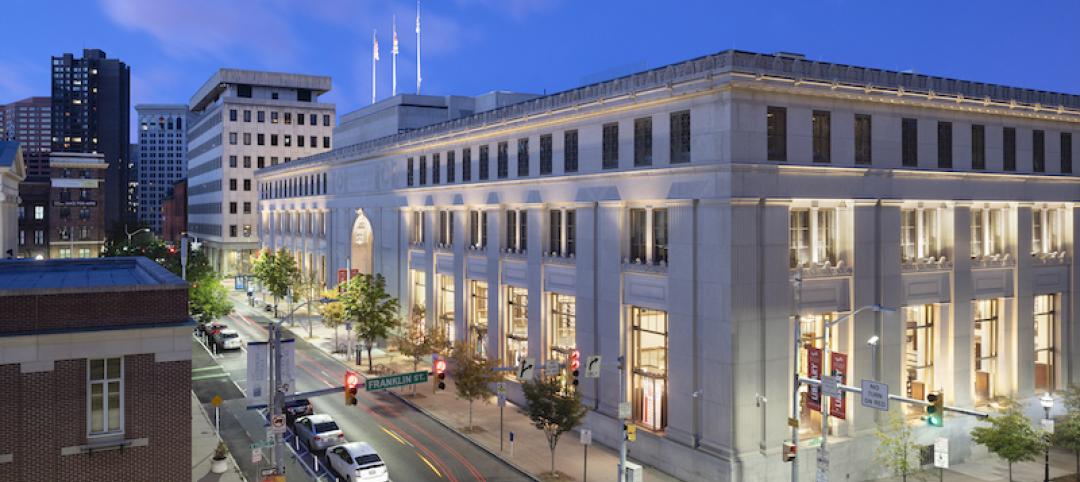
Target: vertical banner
(813, 368)
(288, 366)
(258, 372)
(342, 276)
(838, 365)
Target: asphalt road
(415, 447)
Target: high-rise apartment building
(240, 121)
(91, 103)
(159, 158)
(28, 122)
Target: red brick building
(76, 205)
(174, 212)
(95, 365)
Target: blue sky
(474, 46)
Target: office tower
(159, 157)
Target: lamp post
(137, 231)
(1047, 403)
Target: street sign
(277, 423)
(830, 386)
(592, 367)
(838, 367)
(586, 436)
(258, 372)
(256, 456)
(793, 422)
(500, 388)
(941, 453)
(216, 401)
(502, 399)
(258, 444)
(624, 410)
(348, 326)
(392, 381)
(875, 395)
(525, 370)
(551, 367)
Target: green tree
(473, 377)
(277, 273)
(1011, 436)
(1067, 435)
(552, 411)
(897, 449)
(208, 299)
(374, 310)
(333, 314)
(309, 288)
(414, 345)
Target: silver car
(357, 462)
(318, 432)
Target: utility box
(634, 472)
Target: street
(413, 446)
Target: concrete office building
(661, 216)
(174, 212)
(28, 122)
(12, 173)
(161, 160)
(243, 120)
(91, 104)
(99, 352)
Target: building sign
(813, 368)
(838, 405)
(75, 203)
(75, 183)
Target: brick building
(174, 212)
(95, 361)
(77, 205)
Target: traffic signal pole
(797, 282)
(276, 393)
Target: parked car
(209, 329)
(318, 432)
(228, 339)
(357, 462)
(295, 409)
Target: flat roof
(215, 85)
(30, 277)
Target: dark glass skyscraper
(91, 105)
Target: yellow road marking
(432, 467)
(395, 436)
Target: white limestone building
(661, 217)
(240, 121)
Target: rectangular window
(680, 137)
(288, 140)
(247, 116)
(232, 161)
(478, 318)
(523, 157)
(326, 142)
(511, 230)
(273, 139)
(863, 146)
(649, 352)
(978, 146)
(555, 232)
(313, 119)
(232, 138)
(1038, 151)
(484, 163)
(822, 130)
(504, 160)
(918, 235)
(1045, 327)
(232, 115)
(247, 184)
(1066, 153)
(232, 208)
(288, 118)
(261, 162)
(812, 237)
(643, 141)
(466, 164)
(1008, 148)
(260, 139)
(478, 229)
(987, 232)
(418, 295)
(232, 184)
(274, 117)
(436, 169)
(545, 154)
(418, 227)
(985, 336)
(300, 118)
(610, 154)
(247, 162)
(1046, 233)
(247, 208)
(517, 325)
(106, 395)
(638, 234)
(39, 213)
(944, 145)
(776, 133)
(799, 237)
(919, 351)
(451, 165)
(659, 236)
(570, 151)
(909, 139)
(570, 222)
(260, 116)
(446, 228)
(325, 120)
(409, 173)
(423, 170)
(299, 141)
(563, 325)
(445, 313)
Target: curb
(232, 462)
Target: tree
(333, 314)
(552, 411)
(1067, 435)
(1010, 436)
(277, 272)
(897, 449)
(208, 300)
(309, 288)
(374, 310)
(414, 345)
(473, 377)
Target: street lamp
(137, 231)
(1047, 403)
(873, 343)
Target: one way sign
(525, 371)
(592, 367)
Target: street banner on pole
(941, 453)
(288, 366)
(813, 364)
(258, 372)
(838, 405)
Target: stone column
(431, 237)
(496, 304)
(610, 312)
(1068, 356)
(684, 327)
(537, 300)
(1022, 345)
(960, 386)
(588, 326)
(461, 295)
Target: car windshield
(230, 335)
(325, 427)
(368, 461)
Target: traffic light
(575, 366)
(440, 372)
(935, 412)
(352, 380)
(631, 432)
(789, 451)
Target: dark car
(210, 329)
(294, 409)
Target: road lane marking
(207, 377)
(203, 369)
(395, 436)
(432, 467)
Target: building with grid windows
(661, 217)
(28, 122)
(161, 158)
(240, 121)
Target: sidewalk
(530, 453)
(203, 443)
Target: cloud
(515, 8)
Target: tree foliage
(1067, 430)
(1010, 436)
(277, 273)
(897, 449)
(373, 309)
(552, 410)
(309, 288)
(473, 377)
(333, 313)
(208, 299)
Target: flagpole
(393, 89)
(417, 47)
(374, 58)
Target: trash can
(634, 472)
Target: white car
(229, 339)
(357, 462)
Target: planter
(219, 466)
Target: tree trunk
(470, 415)
(553, 460)
(335, 340)
(309, 319)
(1010, 471)
(1078, 463)
(368, 355)
(415, 367)
(275, 307)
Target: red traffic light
(575, 360)
(351, 380)
(440, 366)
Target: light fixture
(873, 341)
(1046, 401)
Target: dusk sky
(474, 46)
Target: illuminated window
(106, 396)
(445, 316)
(649, 352)
(478, 318)
(987, 232)
(1046, 235)
(919, 234)
(919, 351)
(812, 237)
(517, 326)
(1045, 327)
(418, 296)
(985, 337)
